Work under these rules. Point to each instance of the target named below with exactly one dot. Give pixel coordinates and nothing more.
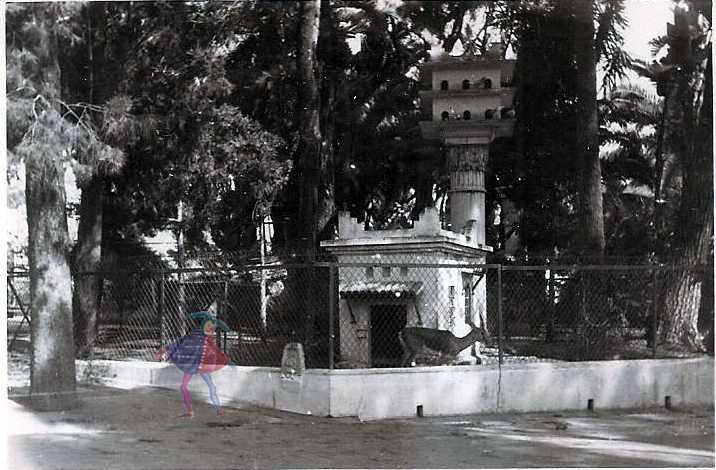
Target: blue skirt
(186, 352)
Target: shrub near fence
(352, 317)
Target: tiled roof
(380, 289)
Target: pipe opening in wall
(419, 411)
(590, 404)
(667, 402)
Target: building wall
(439, 306)
(456, 76)
(477, 105)
(385, 252)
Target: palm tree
(587, 142)
(636, 160)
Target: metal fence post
(582, 301)
(499, 312)
(583, 329)
(160, 308)
(331, 314)
(655, 311)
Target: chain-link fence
(389, 315)
(18, 308)
(263, 305)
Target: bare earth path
(133, 429)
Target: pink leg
(186, 396)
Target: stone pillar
(466, 165)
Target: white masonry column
(466, 166)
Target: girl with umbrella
(197, 353)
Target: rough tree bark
(308, 115)
(308, 160)
(87, 258)
(326, 210)
(587, 141)
(691, 110)
(52, 365)
(52, 380)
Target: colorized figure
(197, 353)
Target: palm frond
(658, 43)
(618, 62)
(633, 103)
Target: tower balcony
(473, 131)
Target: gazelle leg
(407, 359)
(406, 352)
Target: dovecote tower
(470, 102)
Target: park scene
(359, 234)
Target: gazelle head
(480, 332)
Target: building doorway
(386, 322)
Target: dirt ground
(119, 429)
(139, 429)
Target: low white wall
(377, 394)
(259, 386)
(450, 390)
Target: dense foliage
(159, 106)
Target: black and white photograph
(358, 234)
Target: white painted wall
(477, 105)
(436, 306)
(390, 393)
(456, 76)
(425, 243)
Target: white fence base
(450, 390)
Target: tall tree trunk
(308, 115)
(587, 141)
(85, 299)
(326, 210)
(693, 107)
(52, 365)
(308, 163)
(679, 318)
(52, 379)
(88, 251)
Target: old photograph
(359, 234)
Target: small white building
(389, 279)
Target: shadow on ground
(139, 429)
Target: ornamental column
(466, 165)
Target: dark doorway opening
(386, 321)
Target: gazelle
(434, 343)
